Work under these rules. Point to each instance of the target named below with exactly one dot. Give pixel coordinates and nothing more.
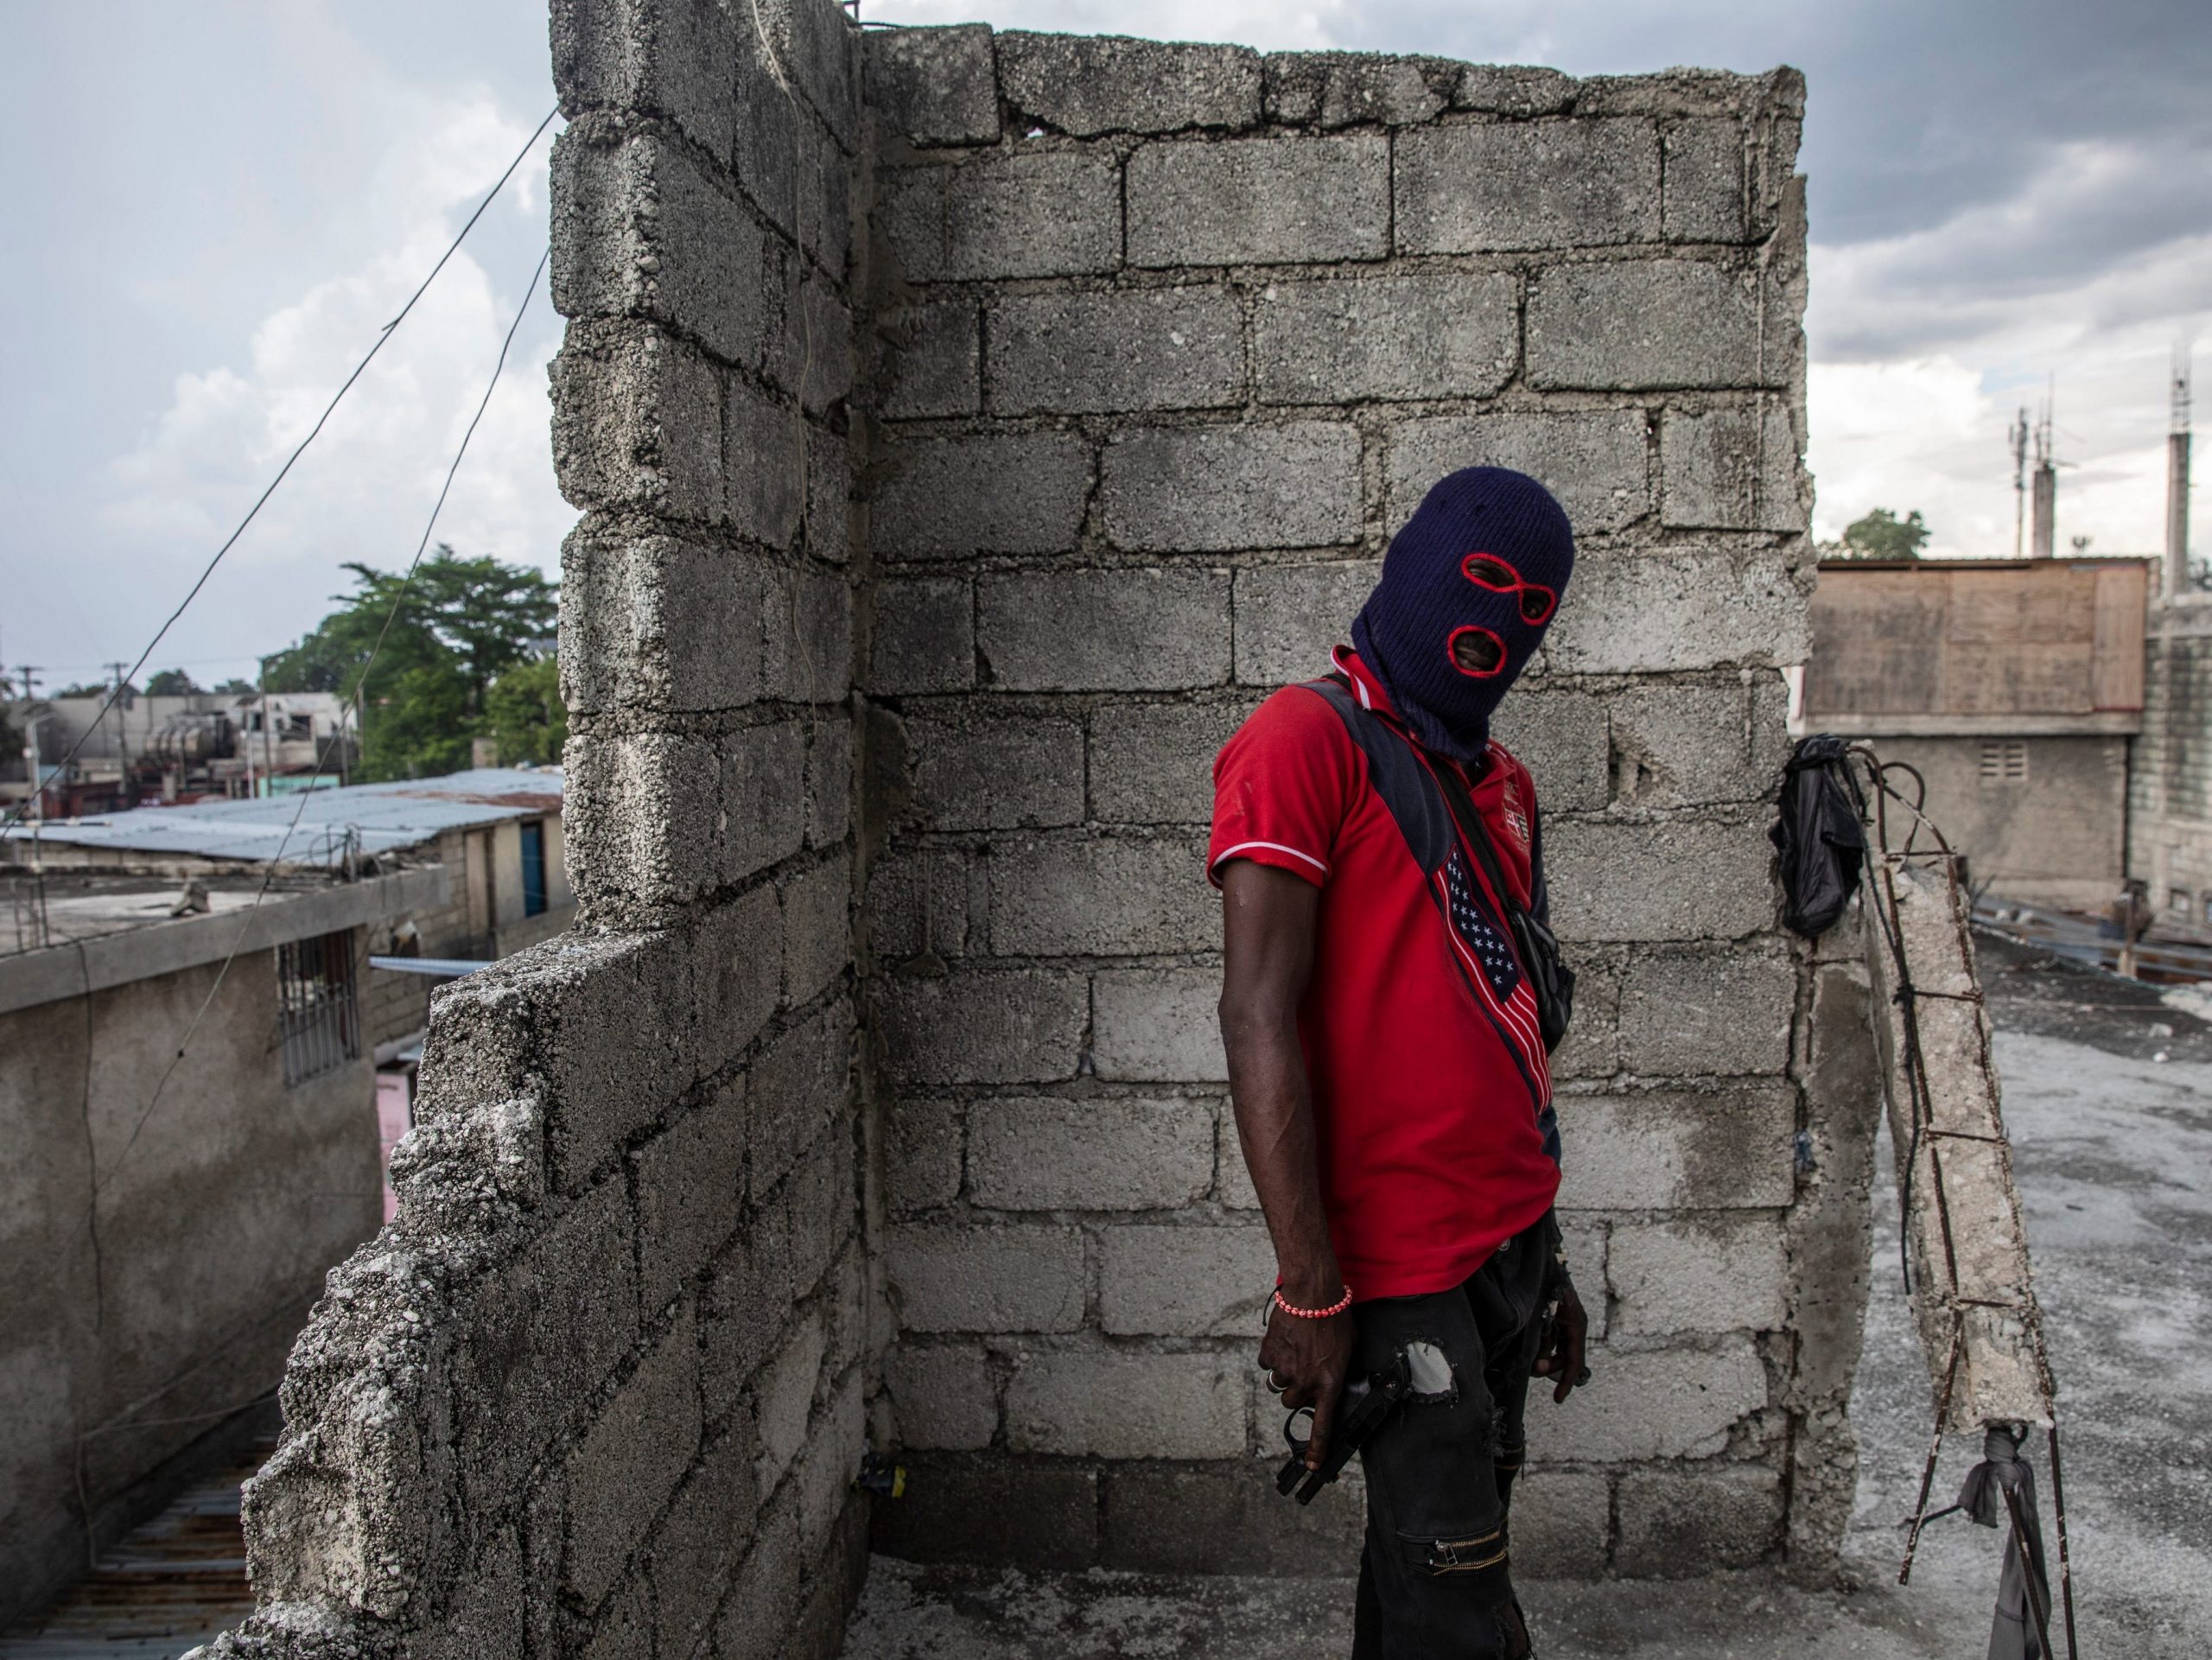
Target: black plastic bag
(1819, 839)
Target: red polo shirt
(1430, 1089)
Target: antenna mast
(2177, 443)
(2016, 435)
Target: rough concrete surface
(2107, 1139)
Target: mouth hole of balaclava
(1476, 651)
(1536, 603)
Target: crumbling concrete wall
(598, 1388)
(2169, 765)
(1166, 341)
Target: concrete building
(165, 1221)
(875, 1100)
(2015, 687)
(94, 757)
(497, 830)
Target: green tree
(445, 637)
(172, 683)
(528, 720)
(235, 687)
(91, 688)
(1882, 535)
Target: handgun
(1366, 1404)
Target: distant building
(167, 1221)
(147, 751)
(2016, 686)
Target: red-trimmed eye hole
(1536, 603)
(1476, 651)
(1487, 570)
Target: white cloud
(365, 487)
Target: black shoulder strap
(1474, 831)
(1398, 776)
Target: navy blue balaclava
(1486, 555)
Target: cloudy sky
(213, 209)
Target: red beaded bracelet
(1335, 1308)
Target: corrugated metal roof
(385, 817)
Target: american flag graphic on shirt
(1487, 953)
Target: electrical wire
(382, 336)
(307, 792)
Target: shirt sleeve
(1281, 786)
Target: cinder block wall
(1166, 341)
(2170, 777)
(598, 1388)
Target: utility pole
(122, 735)
(2018, 436)
(2044, 498)
(2177, 481)
(29, 673)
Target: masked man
(1386, 1058)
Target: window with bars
(318, 1008)
(2003, 760)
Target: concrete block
(1591, 1047)
(924, 635)
(1122, 349)
(1005, 1026)
(829, 781)
(1000, 493)
(1514, 184)
(642, 232)
(806, 629)
(1153, 763)
(822, 48)
(1226, 1518)
(1449, 335)
(1260, 201)
(621, 1474)
(1719, 887)
(1184, 1282)
(922, 908)
(690, 1186)
(1088, 84)
(1700, 1274)
(697, 1547)
(929, 360)
(673, 60)
(1560, 736)
(824, 1479)
(943, 1397)
(823, 1198)
(818, 928)
(624, 1626)
(1677, 1523)
(765, 1599)
(1105, 897)
(1679, 742)
(1705, 182)
(657, 623)
(1157, 1024)
(1689, 608)
(1732, 469)
(985, 1279)
(1018, 1513)
(1289, 618)
(1512, 89)
(1596, 462)
(826, 530)
(1651, 323)
(994, 772)
(1732, 1149)
(736, 974)
(783, 1396)
(922, 1154)
(1653, 1404)
(1003, 214)
(764, 802)
(762, 443)
(1562, 1522)
(743, 1309)
(637, 425)
(801, 1082)
(1095, 1153)
(1121, 1404)
(1343, 89)
(1176, 490)
(1707, 1010)
(1119, 630)
(933, 85)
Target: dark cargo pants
(1435, 1581)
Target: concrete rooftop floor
(2108, 1098)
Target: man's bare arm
(1269, 924)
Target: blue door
(533, 867)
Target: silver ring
(1274, 1387)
